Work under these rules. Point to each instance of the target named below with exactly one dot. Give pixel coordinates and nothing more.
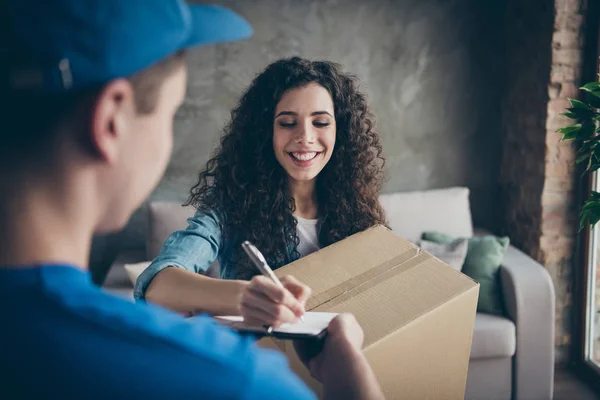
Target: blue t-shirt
(63, 337)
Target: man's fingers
(345, 325)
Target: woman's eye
(320, 124)
(287, 124)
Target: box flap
(359, 258)
(396, 299)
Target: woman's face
(304, 131)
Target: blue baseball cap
(75, 44)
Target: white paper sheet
(314, 323)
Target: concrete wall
(432, 70)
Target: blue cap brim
(214, 24)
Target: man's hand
(344, 338)
(339, 363)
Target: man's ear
(111, 118)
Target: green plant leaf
(596, 154)
(578, 104)
(586, 149)
(570, 115)
(593, 99)
(591, 208)
(569, 128)
(582, 158)
(570, 132)
(568, 136)
(594, 160)
(586, 131)
(583, 114)
(590, 212)
(591, 87)
(589, 166)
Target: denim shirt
(195, 249)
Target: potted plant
(586, 135)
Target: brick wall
(544, 53)
(559, 212)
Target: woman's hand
(264, 303)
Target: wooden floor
(568, 387)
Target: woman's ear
(111, 118)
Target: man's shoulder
(219, 360)
(74, 308)
(164, 330)
(152, 350)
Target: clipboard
(314, 327)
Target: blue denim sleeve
(194, 248)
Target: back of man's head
(33, 122)
(57, 56)
(86, 112)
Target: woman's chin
(302, 177)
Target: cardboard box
(417, 313)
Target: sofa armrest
(529, 300)
(117, 278)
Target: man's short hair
(30, 121)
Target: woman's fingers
(298, 289)
(270, 313)
(263, 286)
(266, 303)
(257, 317)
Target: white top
(308, 233)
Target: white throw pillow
(135, 270)
(453, 254)
(440, 210)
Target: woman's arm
(175, 280)
(193, 249)
(260, 301)
(188, 292)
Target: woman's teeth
(304, 156)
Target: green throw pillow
(484, 256)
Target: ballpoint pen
(261, 264)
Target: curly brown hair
(244, 182)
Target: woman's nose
(305, 134)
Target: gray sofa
(511, 356)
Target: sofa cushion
(493, 336)
(453, 254)
(117, 280)
(443, 210)
(483, 261)
(117, 276)
(134, 270)
(164, 219)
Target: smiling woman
(304, 134)
(299, 167)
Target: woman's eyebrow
(296, 114)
